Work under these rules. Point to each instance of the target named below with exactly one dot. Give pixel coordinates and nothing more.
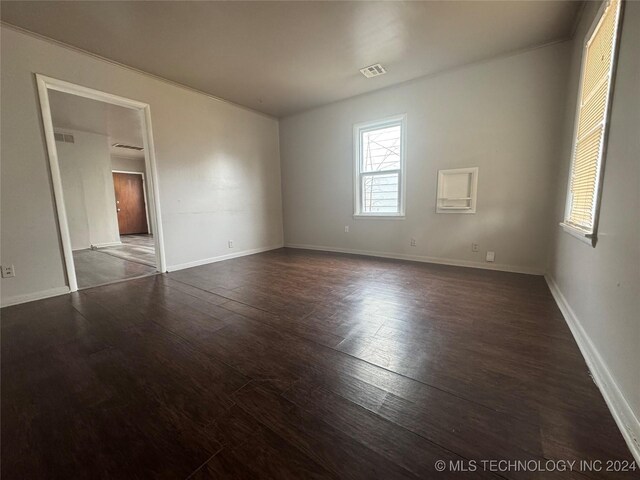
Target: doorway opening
(105, 183)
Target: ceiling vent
(64, 137)
(373, 70)
(130, 147)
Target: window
(585, 180)
(379, 168)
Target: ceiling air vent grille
(64, 137)
(373, 70)
(130, 147)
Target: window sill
(359, 216)
(586, 237)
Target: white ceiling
(120, 124)
(284, 57)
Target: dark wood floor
(297, 364)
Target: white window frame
(590, 236)
(358, 129)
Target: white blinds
(598, 61)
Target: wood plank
(251, 451)
(316, 439)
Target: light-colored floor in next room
(134, 258)
(135, 248)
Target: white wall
(600, 285)
(128, 164)
(218, 166)
(502, 116)
(85, 169)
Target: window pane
(380, 193)
(592, 111)
(381, 149)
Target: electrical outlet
(491, 256)
(346, 229)
(230, 243)
(8, 271)
(474, 247)
(413, 242)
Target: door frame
(144, 192)
(45, 84)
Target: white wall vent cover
(373, 70)
(457, 190)
(64, 137)
(130, 147)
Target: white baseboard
(622, 414)
(419, 258)
(103, 245)
(220, 258)
(30, 297)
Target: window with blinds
(379, 163)
(598, 63)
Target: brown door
(130, 203)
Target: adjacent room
(102, 170)
(323, 239)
